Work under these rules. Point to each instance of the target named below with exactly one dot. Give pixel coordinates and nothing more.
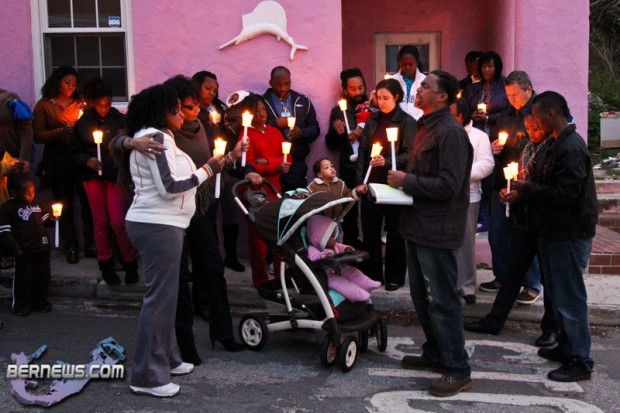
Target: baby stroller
(299, 299)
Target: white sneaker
(167, 390)
(181, 369)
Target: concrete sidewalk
(83, 280)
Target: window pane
(86, 74)
(87, 50)
(109, 8)
(62, 50)
(113, 50)
(59, 13)
(84, 13)
(117, 79)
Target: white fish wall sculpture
(268, 17)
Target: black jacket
(83, 147)
(564, 194)
(407, 127)
(341, 142)
(437, 178)
(22, 227)
(305, 118)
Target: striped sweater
(165, 187)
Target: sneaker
(181, 369)
(167, 390)
(449, 386)
(572, 370)
(553, 354)
(23, 311)
(490, 287)
(527, 297)
(420, 363)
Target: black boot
(230, 247)
(107, 272)
(131, 271)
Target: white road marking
(398, 401)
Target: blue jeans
(432, 281)
(564, 263)
(500, 230)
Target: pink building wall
(16, 74)
(185, 38)
(549, 40)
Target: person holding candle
(283, 102)
(437, 177)
(23, 234)
(162, 208)
(266, 157)
(523, 243)
(390, 115)
(55, 115)
(563, 198)
(213, 109)
(489, 91)
(518, 87)
(209, 287)
(482, 167)
(409, 76)
(337, 138)
(108, 201)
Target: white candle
(482, 107)
(291, 121)
(508, 175)
(220, 148)
(343, 107)
(514, 170)
(98, 138)
(387, 76)
(502, 137)
(376, 151)
(286, 149)
(246, 122)
(392, 135)
(215, 116)
(57, 211)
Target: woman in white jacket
(481, 167)
(165, 184)
(410, 77)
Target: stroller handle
(248, 181)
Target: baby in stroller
(347, 280)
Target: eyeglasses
(190, 107)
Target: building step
(605, 257)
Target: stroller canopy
(278, 220)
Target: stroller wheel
(382, 335)
(253, 332)
(347, 354)
(329, 352)
(362, 337)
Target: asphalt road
(286, 376)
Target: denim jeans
(500, 229)
(523, 251)
(564, 263)
(432, 281)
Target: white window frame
(40, 28)
(432, 39)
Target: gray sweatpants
(466, 258)
(157, 352)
